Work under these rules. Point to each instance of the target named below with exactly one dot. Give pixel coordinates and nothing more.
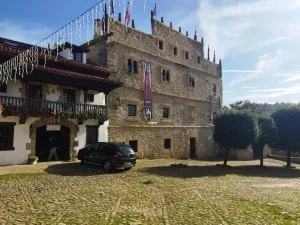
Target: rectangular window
(3, 88)
(166, 113)
(69, 95)
(214, 88)
(132, 110)
(161, 45)
(167, 143)
(35, 91)
(91, 135)
(175, 51)
(78, 56)
(191, 82)
(90, 97)
(134, 145)
(198, 59)
(7, 136)
(187, 55)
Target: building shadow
(76, 169)
(213, 171)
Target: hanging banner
(147, 90)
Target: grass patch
(6, 177)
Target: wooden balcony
(52, 110)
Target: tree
(235, 129)
(267, 135)
(287, 121)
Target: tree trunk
(288, 160)
(226, 156)
(261, 157)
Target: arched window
(129, 66)
(168, 76)
(135, 67)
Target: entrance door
(61, 139)
(192, 148)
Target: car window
(124, 149)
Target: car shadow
(213, 171)
(76, 169)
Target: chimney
(97, 28)
(180, 29)
(171, 25)
(202, 41)
(132, 25)
(187, 33)
(162, 19)
(120, 17)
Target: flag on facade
(112, 8)
(127, 17)
(155, 10)
(195, 36)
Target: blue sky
(257, 40)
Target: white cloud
(31, 33)
(266, 63)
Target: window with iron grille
(134, 145)
(7, 136)
(91, 135)
(167, 143)
(3, 88)
(132, 110)
(166, 113)
(78, 56)
(90, 97)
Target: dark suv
(111, 156)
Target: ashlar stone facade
(185, 85)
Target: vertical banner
(147, 90)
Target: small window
(168, 76)
(91, 135)
(78, 56)
(129, 66)
(134, 145)
(7, 136)
(214, 88)
(164, 74)
(132, 110)
(167, 143)
(191, 82)
(175, 51)
(3, 88)
(166, 113)
(135, 67)
(198, 59)
(90, 97)
(187, 55)
(161, 45)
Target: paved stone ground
(153, 193)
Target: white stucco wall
(54, 93)
(21, 137)
(81, 135)
(13, 89)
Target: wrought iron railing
(27, 107)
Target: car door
(92, 153)
(99, 153)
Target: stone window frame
(161, 45)
(189, 77)
(191, 119)
(166, 69)
(214, 88)
(167, 143)
(133, 69)
(136, 109)
(199, 59)
(168, 112)
(186, 55)
(11, 130)
(177, 50)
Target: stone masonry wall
(189, 107)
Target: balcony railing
(27, 107)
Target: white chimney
(97, 28)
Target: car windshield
(125, 149)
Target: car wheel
(108, 166)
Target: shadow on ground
(204, 171)
(75, 169)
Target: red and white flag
(127, 17)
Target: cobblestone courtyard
(153, 193)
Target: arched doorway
(60, 137)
